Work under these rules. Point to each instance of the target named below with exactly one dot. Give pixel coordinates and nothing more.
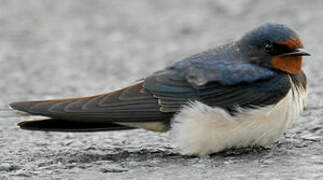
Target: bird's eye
(268, 46)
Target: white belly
(200, 129)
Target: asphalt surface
(51, 49)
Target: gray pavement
(51, 49)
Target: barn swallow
(241, 94)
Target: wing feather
(130, 104)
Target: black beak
(297, 52)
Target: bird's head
(274, 46)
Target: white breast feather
(200, 129)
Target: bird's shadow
(169, 155)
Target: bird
(241, 94)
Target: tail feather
(69, 126)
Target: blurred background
(51, 49)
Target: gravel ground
(51, 49)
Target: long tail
(127, 108)
(69, 126)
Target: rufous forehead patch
(292, 43)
